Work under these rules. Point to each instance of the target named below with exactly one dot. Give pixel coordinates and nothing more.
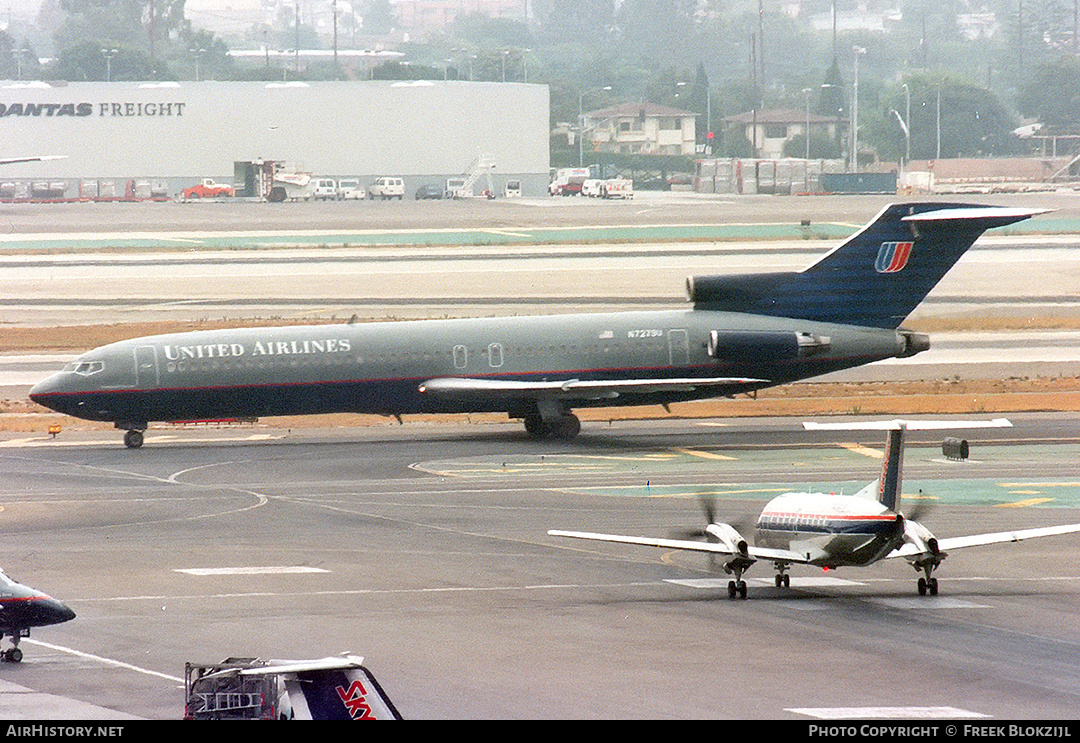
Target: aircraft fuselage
(830, 530)
(380, 367)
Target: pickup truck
(208, 189)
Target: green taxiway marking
(663, 473)
(420, 237)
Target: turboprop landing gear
(782, 579)
(737, 588)
(928, 583)
(13, 654)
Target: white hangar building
(425, 131)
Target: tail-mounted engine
(753, 346)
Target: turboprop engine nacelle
(728, 536)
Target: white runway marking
(885, 713)
(101, 659)
(922, 603)
(268, 570)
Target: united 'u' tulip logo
(892, 256)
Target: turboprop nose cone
(48, 610)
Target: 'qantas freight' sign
(88, 109)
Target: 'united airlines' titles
(259, 348)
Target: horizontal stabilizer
(909, 425)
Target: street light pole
(907, 122)
(198, 55)
(109, 54)
(806, 92)
(855, 113)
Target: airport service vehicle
(208, 189)
(254, 689)
(742, 333)
(289, 185)
(568, 181)
(512, 189)
(23, 607)
(429, 191)
(387, 188)
(350, 189)
(592, 187)
(326, 189)
(617, 188)
(455, 189)
(833, 531)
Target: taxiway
(423, 548)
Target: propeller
(708, 507)
(921, 507)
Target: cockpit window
(85, 368)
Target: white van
(387, 188)
(325, 189)
(512, 189)
(591, 187)
(350, 188)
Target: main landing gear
(133, 434)
(737, 588)
(928, 584)
(550, 421)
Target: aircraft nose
(40, 391)
(48, 610)
(49, 393)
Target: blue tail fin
(874, 279)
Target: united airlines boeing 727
(741, 334)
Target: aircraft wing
(590, 389)
(30, 159)
(976, 540)
(688, 545)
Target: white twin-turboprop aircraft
(832, 531)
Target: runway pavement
(424, 549)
